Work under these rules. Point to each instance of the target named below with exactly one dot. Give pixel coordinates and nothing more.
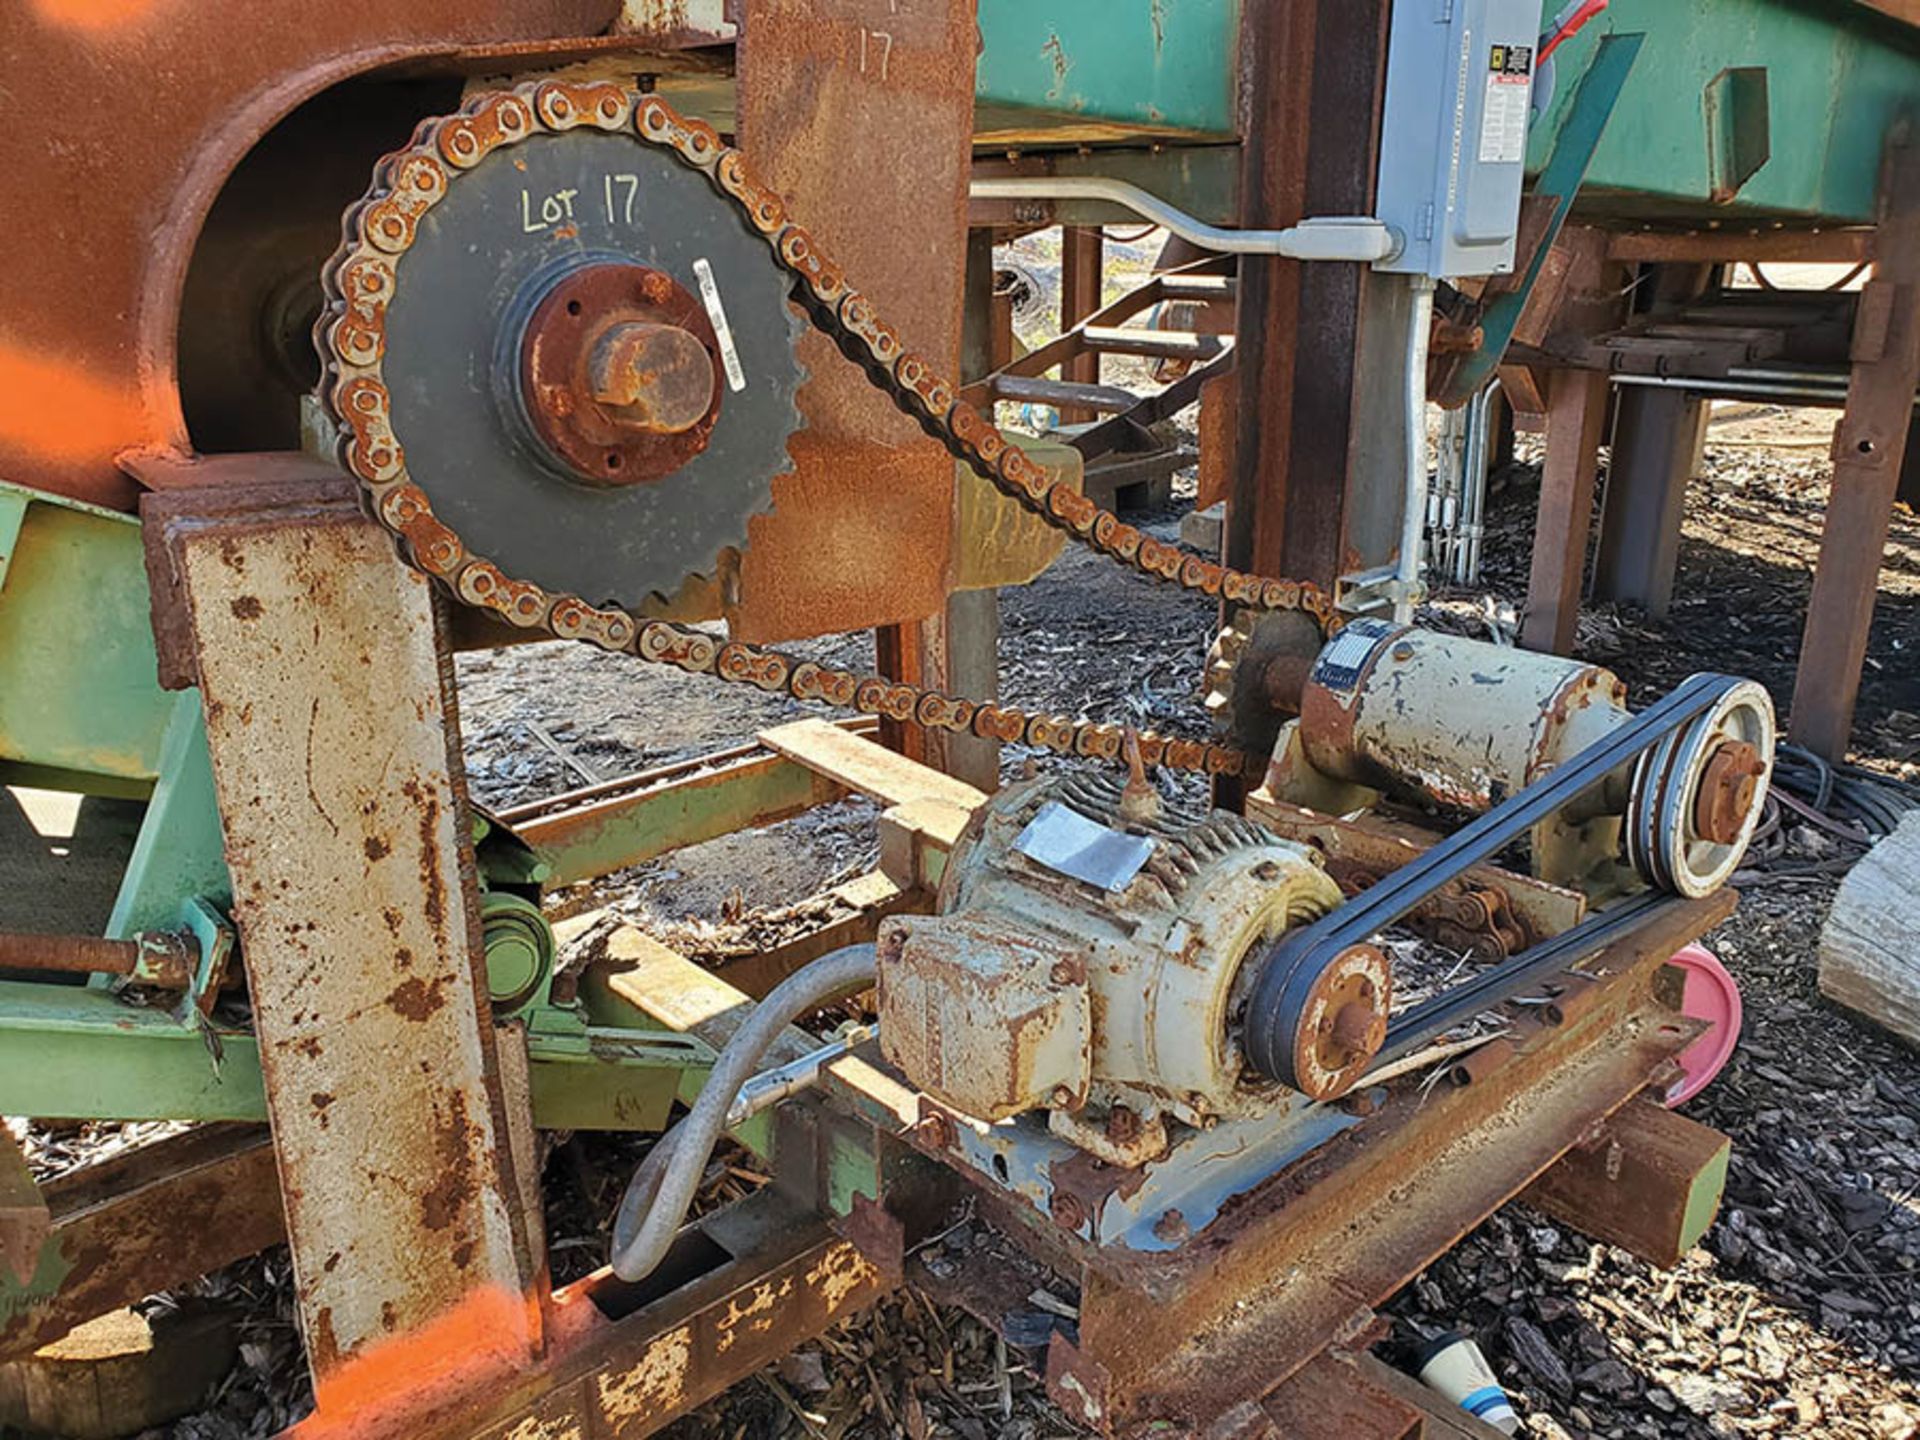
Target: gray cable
(663, 1186)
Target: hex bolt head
(1067, 1209)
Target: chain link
(360, 282)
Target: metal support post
(1656, 441)
(826, 92)
(1312, 76)
(1313, 73)
(1868, 448)
(334, 744)
(1576, 412)
(1082, 258)
(1656, 453)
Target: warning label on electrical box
(1503, 120)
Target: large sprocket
(542, 277)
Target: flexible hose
(663, 1186)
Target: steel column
(1869, 446)
(331, 726)
(1310, 85)
(1656, 442)
(827, 90)
(1576, 413)
(1656, 453)
(1082, 258)
(1312, 80)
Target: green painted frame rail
(1088, 70)
(78, 1052)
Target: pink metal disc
(1713, 996)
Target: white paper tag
(716, 312)
(1503, 124)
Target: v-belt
(1279, 999)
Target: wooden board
(861, 765)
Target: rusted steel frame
(1382, 846)
(602, 828)
(1354, 1395)
(1082, 256)
(1293, 1264)
(161, 960)
(24, 1220)
(853, 110)
(677, 22)
(1085, 400)
(1730, 247)
(146, 1220)
(751, 1283)
(902, 652)
(1122, 431)
(1064, 348)
(325, 687)
(1576, 414)
(1869, 447)
(1907, 12)
(1312, 78)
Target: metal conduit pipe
(1479, 462)
(1736, 387)
(662, 1188)
(1359, 239)
(1413, 518)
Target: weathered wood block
(1870, 949)
(1650, 1184)
(117, 1375)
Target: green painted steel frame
(77, 1052)
(1837, 76)
(1092, 69)
(80, 696)
(1059, 73)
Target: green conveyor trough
(1748, 109)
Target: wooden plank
(1870, 948)
(1651, 1184)
(1716, 247)
(865, 767)
(917, 837)
(1576, 411)
(669, 988)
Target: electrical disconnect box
(1453, 146)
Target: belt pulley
(1287, 1016)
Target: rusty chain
(360, 282)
